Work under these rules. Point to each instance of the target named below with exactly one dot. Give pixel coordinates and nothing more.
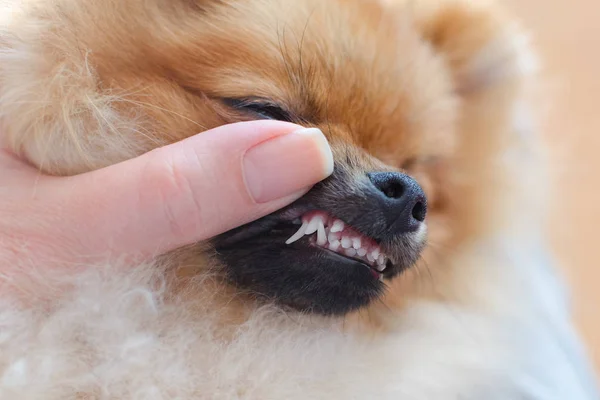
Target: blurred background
(567, 37)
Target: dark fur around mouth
(311, 279)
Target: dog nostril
(419, 211)
(389, 184)
(404, 199)
(393, 189)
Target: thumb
(197, 188)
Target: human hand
(176, 195)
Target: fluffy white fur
(116, 334)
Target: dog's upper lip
(293, 213)
(265, 224)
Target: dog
(417, 270)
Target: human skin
(172, 196)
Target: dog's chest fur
(118, 337)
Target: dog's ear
(482, 44)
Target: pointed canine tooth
(321, 235)
(350, 252)
(337, 226)
(298, 235)
(313, 225)
(361, 252)
(333, 236)
(380, 267)
(335, 245)
(370, 257)
(381, 278)
(356, 243)
(346, 242)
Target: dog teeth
(321, 235)
(337, 226)
(375, 254)
(381, 263)
(299, 234)
(346, 243)
(314, 225)
(335, 236)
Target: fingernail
(287, 164)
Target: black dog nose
(402, 199)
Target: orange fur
(433, 87)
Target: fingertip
(321, 149)
(286, 164)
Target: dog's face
(375, 90)
(369, 76)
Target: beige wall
(567, 35)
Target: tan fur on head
(435, 87)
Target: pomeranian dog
(418, 270)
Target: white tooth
(381, 263)
(333, 236)
(375, 253)
(313, 225)
(381, 278)
(334, 245)
(298, 235)
(350, 252)
(337, 226)
(361, 252)
(370, 257)
(321, 235)
(356, 243)
(346, 242)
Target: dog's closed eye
(260, 108)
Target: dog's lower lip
(376, 274)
